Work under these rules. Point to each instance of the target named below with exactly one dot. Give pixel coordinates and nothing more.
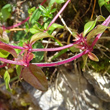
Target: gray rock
(71, 91)
(100, 83)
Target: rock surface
(71, 91)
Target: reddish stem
(61, 10)
(45, 49)
(105, 23)
(55, 49)
(13, 62)
(61, 62)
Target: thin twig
(93, 9)
(17, 29)
(87, 9)
(62, 20)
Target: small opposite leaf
(89, 26)
(93, 57)
(6, 11)
(54, 26)
(8, 49)
(35, 16)
(42, 8)
(3, 53)
(100, 18)
(38, 36)
(30, 11)
(35, 76)
(7, 80)
(102, 2)
(33, 30)
(98, 30)
(107, 6)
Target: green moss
(100, 66)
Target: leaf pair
(98, 30)
(91, 24)
(91, 56)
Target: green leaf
(7, 80)
(38, 36)
(6, 11)
(38, 55)
(89, 26)
(35, 16)
(59, 53)
(53, 10)
(100, 18)
(98, 30)
(35, 76)
(107, 6)
(46, 25)
(8, 49)
(102, 2)
(42, 8)
(59, 1)
(93, 57)
(74, 49)
(33, 30)
(31, 10)
(54, 26)
(3, 53)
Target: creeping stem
(61, 10)
(105, 23)
(61, 62)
